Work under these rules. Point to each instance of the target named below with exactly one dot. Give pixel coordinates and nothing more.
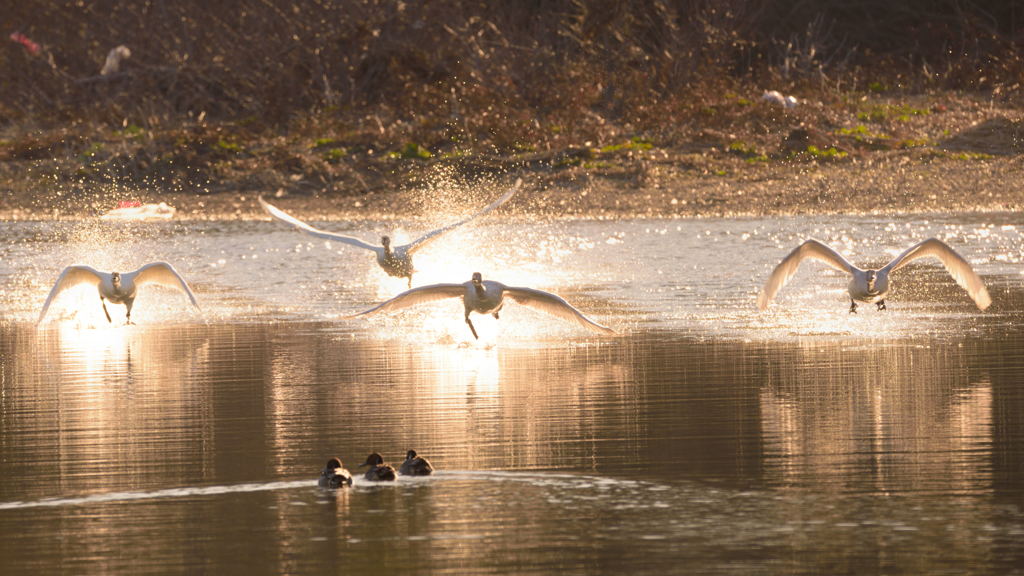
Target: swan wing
(955, 264)
(287, 218)
(434, 235)
(787, 268)
(417, 296)
(555, 305)
(70, 277)
(163, 274)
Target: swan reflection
(876, 420)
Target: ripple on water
(693, 275)
(709, 436)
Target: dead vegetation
(351, 97)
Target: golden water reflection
(273, 401)
(680, 428)
(877, 417)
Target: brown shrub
(472, 71)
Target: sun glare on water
(94, 352)
(452, 260)
(459, 369)
(825, 312)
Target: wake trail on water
(561, 480)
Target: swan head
(374, 459)
(115, 279)
(871, 281)
(385, 241)
(477, 279)
(410, 454)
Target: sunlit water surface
(705, 437)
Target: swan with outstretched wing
(394, 260)
(871, 286)
(488, 297)
(116, 287)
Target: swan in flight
(116, 287)
(396, 261)
(871, 286)
(487, 297)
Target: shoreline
(936, 152)
(894, 185)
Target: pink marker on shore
(25, 41)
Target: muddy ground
(920, 154)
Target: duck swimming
(871, 286)
(415, 465)
(116, 287)
(334, 475)
(378, 471)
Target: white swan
(487, 297)
(871, 286)
(116, 287)
(395, 261)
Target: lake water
(705, 437)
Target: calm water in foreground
(704, 438)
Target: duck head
(410, 454)
(334, 463)
(374, 459)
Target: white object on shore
(776, 97)
(114, 58)
(127, 211)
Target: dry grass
(346, 96)
(481, 67)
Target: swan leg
(495, 315)
(128, 316)
(104, 303)
(471, 328)
(880, 305)
(410, 281)
(853, 307)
